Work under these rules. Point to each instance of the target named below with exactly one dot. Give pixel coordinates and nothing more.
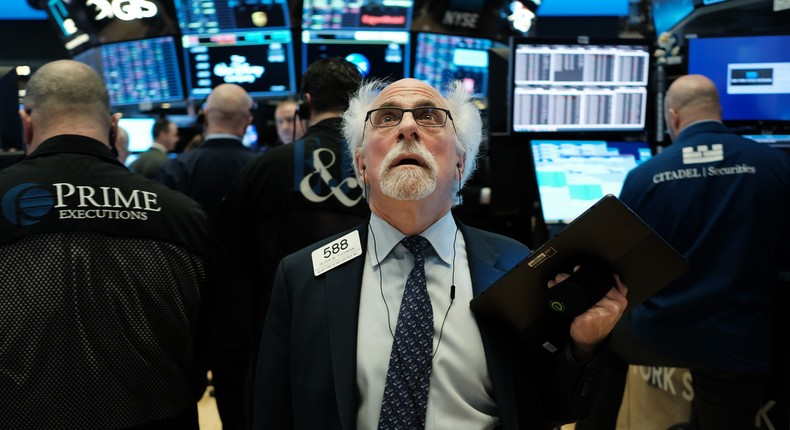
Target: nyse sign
(125, 10)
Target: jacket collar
(74, 144)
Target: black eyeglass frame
(412, 110)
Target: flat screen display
(139, 71)
(260, 61)
(752, 74)
(600, 86)
(775, 140)
(220, 16)
(583, 8)
(140, 131)
(668, 13)
(377, 54)
(441, 58)
(574, 174)
(356, 14)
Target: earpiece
(364, 167)
(303, 107)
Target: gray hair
(465, 119)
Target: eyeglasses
(426, 116)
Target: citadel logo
(27, 204)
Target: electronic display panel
(574, 174)
(668, 13)
(442, 58)
(564, 86)
(82, 24)
(377, 54)
(583, 8)
(139, 71)
(221, 16)
(260, 62)
(140, 131)
(356, 14)
(752, 74)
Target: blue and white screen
(574, 174)
(752, 74)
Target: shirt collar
(159, 146)
(440, 234)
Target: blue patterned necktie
(409, 374)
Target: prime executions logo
(29, 203)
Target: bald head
(227, 110)
(66, 97)
(689, 99)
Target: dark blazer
(306, 377)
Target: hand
(591, 327)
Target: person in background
(285, 199)
(122, 145)
(106, 289)
(165, 140)
(289, 127)
(348, 345)
(206, 172)
(723, 201)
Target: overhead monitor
(82, 24)
(139, 71)
(262, 62)
(574, 174)
(668, 13)
(356, 14)
(21, 10)
(441, 58)
(578, 86)
(140, 131)
(752, 74)
(221, 16)
(583, 8)
(377, 54)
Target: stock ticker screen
(139, 71)
(218, 16)
(356, 14)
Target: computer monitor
(441, 58)
(583, 8)
(261, 62)
(140, 131)
(574, 174)
(580, 85)
(377, 54)
(138, 71)
(10, 123)
(668, 13)
(356, 14)
(85, 24)
(752, 74)
(221, 16)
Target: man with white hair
(357, 337)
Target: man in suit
(165, 140)
(333, 353)
(206, 172)
(722, 201)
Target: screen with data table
(442, 58)
(574, 174)
(139, 71)
(571, 87)
(217, 16)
